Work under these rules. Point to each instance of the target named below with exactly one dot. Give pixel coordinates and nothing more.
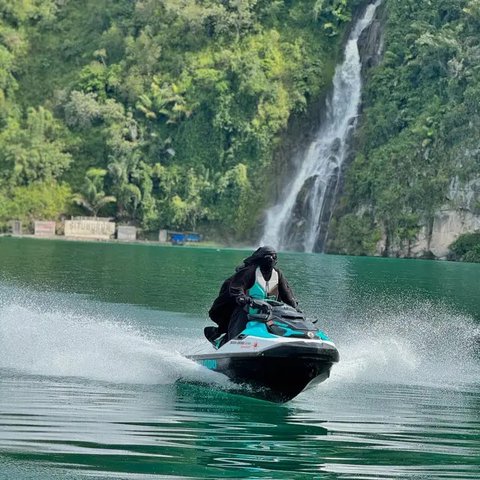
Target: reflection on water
(178, 428)
(182, 430)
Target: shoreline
(209, 245)
(115, 241)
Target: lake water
(94, 384)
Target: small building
(126, 233)
(163, 236)
(16, 226)
(44, 228)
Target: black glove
(243, 300)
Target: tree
(36, 151)
(354, 235)
(466, 246)
(39, 201)
(181, 102)
(93, 198)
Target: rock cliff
(460, 214)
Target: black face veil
(265, 257)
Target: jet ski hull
(277, 374)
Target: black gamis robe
(238, 284)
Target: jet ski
(279, 354)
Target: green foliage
(34, 151)
(421, 116)
(354, 235)
(467, 247)
(237, 199)
(473, 255)
(164, 114)
(334, 12)
(39, 201)
(168, 113)
(93, 198)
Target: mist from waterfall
(300, 219)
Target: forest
(169, 114)
(419, 134)
(158, 113)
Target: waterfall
(300, 220)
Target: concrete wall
(128, 234)
(93, 228)
(162, 236)
(16, 227)
(44, 229)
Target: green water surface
(94, 383)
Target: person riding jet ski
(257, 278)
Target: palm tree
(93, 198)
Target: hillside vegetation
(419, 134)
(166, 113)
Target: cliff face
(413, 183)
(371, 49)
(372, 41)
(459, 215)
(299, 220)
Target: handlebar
(265, 310)
(261, 305)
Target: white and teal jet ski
(278, 355)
